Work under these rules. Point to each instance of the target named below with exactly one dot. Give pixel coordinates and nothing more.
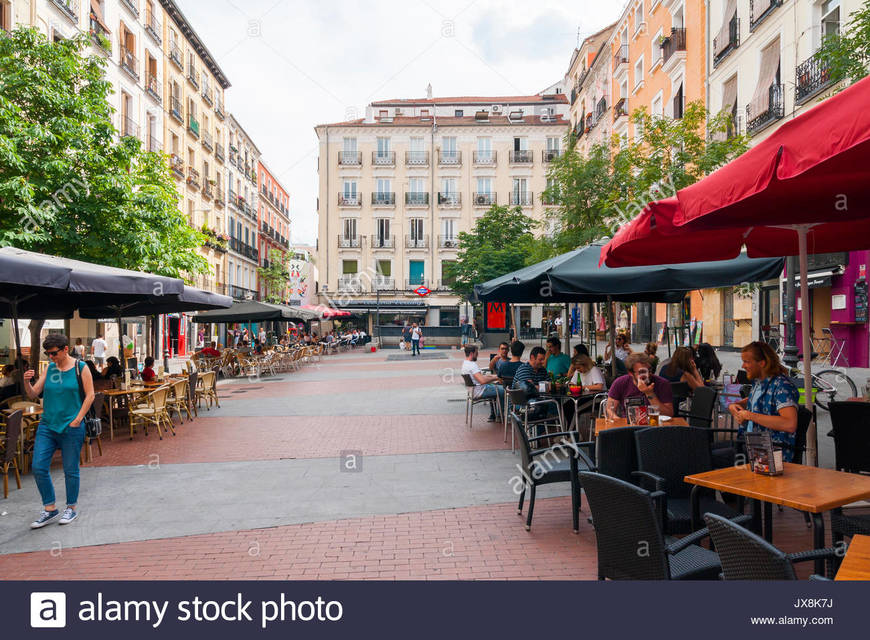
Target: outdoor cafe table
(111, 394)
(808, 489)
(562, 396)
(856, 564)
(603, 424)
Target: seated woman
(650, 350)
(579, 350)
(148, 374)
(587, 374)
(682, 368)
(621, 350)
(112, 368)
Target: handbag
(93, 425)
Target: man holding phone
(640, 382)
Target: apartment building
(274, 222)
(400, 184)
(592, 74)
(579, 68)
(762, 71)
(242, 222)
(193, 95)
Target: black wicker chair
(700, 414)
(559, 463)
(616, 452)
(851, 431)
(748, 556)
(665, 455)
(627, 519)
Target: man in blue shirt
(558, 363)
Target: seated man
(210, 351)
(484, 385)
(509, 368)
(533, 371)
(557, 362)
(639, 382)
(500, 358)
(148, 374)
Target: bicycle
(830, 385)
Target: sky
(294, 64)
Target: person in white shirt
(262, 336)
(98, 350)
(416, 334)
(587, 374)
(484, 385)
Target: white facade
(243, 256)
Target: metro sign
(422, 291)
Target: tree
(275, 275)
(608, 187)
(847, 54)
(500, 242)
(69, 186)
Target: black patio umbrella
(36, 285)
(253, 311)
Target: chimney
(429, 91)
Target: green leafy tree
(847, 54)
(69, 186)
(276, 275)
(501, 242)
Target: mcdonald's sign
(496, 316)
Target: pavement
(357, 466)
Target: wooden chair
(153, 412)
(10, 437)
(178, 400)
(191, 393)
(208, 390)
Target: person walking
(98, 350)
(61, 426)
(416, 334)
(79, 350)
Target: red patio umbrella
(805, 189)
(327, 312)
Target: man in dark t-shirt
(642, 383)
(509, 369)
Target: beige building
(242, 224)
(196, 134)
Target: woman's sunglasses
(51, 354)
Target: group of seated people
(353, 337)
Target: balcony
(240, 293)
(244, 249)
(177, 166)
(416, 242)
(522, 156)
(219, 201)
(755, 122)
(207, 140)
(153, 28)
(348, 242)
(154, 145)
(219, 151)
(383, 242)
(152, 87)
(129, 63)
(193, 178)
(671, 44)
(175, 109)
(349, 283)
(381, 283)
(484, 158)
(759, 10)
(208, 189)
(349, 200)
(721, 50)
(193, 75)
(448, 242)
(483, 199)
(522, 199)
(175, 55)
(384, 199)
(620, 109)
(416, 199)
(207, 94)
(350, 158)
(449, 158)
(549, 200)
(384, 158)
(417, 158)
(99, 34)
(413, 283)
(811, 78)
(129, 128)
(549, 155)
(69, 8)
(193, 126)
(449, 199)
(219, 108)
(132, 5)
(620, 58)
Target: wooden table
(808, 489)
(603, 424)
(113, 393)
(856, 564)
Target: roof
(234, 123)
(187, 31)
(465, 121)
(404, 102)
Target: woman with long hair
(682, 368)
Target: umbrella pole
(612, 326)
(812, 439)
(121, 345)
(14, 305)
(567, 332)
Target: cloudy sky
(294, 64)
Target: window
(417, 185)
(448, 230)
(638, 73)
(415, 228)
(656, 50)
(657, 108)
(638, 16)
(484, 185)
(448, 187)
(415, 272)
(521, 144)
(349, 227)
(383, 114)
(448, 149)
(553, 143)
(484, 149)
(458, 113)
(830, 18)
(384, 186)
(385, 268)
(349, 266)
(6, 16)
(446, 281)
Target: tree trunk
(35, 343)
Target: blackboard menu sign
(861, 301)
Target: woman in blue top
(60, 426)
(772, 404)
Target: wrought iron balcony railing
(417, 158)
(384, 198)
(417, 242)
(348, 242)
(672, 43)
(759, 10)
(383, 242)
(522, 156)
(384, 158)
(811, 77)
(725, 48)
(448, 242)
(522, 198)
(621, 56)
(483, 157)
(449, 158)
(449, 199)
(484, 199)
(416, 198)
(549, 155)
(129, 63)
(350, 158)
(349, 199)
(755, 122)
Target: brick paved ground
(482, 541)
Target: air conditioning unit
(480, 200)
(496, 108)
(449, 244)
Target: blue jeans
(70, 444)
(415, 347)
(494, 391)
